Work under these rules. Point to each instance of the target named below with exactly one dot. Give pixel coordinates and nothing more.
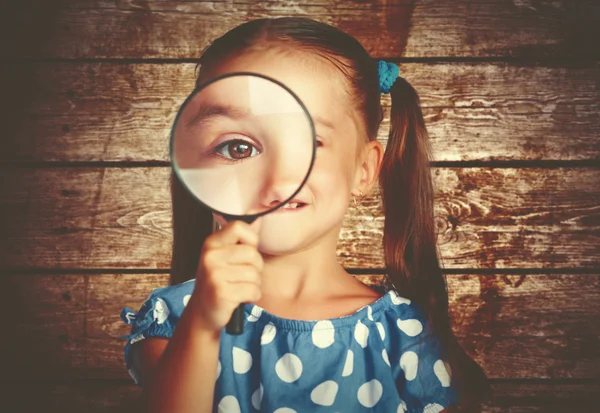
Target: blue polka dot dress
(382, 358)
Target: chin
(276, 249)
(279, 238)
(280, 241)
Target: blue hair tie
(388, 73)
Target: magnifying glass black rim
(196, 90)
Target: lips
(293, 205)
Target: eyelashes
(235, 150)
(238, 149)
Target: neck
(306, 274)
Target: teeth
(291, 205)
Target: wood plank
(124, 112)
(118, 396)
(501, 305)
(47, 321)
(178, 29)
(89, 396)
(121, 218)
(513, 326)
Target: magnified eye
(236, 149)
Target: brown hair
(409, 238)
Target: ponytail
(409, 236)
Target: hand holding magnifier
(243, 145)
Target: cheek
(329, 176)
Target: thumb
(256, 225)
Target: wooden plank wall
(510, 94)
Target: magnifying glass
(243, 144)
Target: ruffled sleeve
(157, 317)
(423, 376)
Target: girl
(315, 339)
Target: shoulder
(159, 313)
(399, 308)
(406, 325)
(173, 293)
(157, 317)
(163, 303)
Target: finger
(240, 274)
(233, 233)
(223, 222)
(238, 254)
(255, 226)
(232, 259)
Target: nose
(281, 181)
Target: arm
(178, 370)
(179, 374)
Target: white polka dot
(255, 314)
(268, 334)
(284, 410)
(218, 368)
(401, 408)
(384, 354)
(186, 299)
(409, 362)
(324, 394)
(396, 299)
(229, 404)
(289, 367)
(441, 371)
(370, 393)
(349, 364)
(381, 330)
(242, 360)
(433, 408)
(370, 312)
(411, 327)
(323, 334)
(361, 334)
(161, 311)
(257, 397)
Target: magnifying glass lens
(243, 145)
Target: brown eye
(240, 150)
(237, 149)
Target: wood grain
(121, 218)
(386, 28)
(517, 326)
(473, 111)
(100, 81)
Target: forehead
(318, 85)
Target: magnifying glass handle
(235, 326)
(236, 323)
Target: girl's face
(337, 168)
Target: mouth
(293, 205)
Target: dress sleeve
(424, 379)
(157, 317)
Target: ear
(367, 171)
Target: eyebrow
(206, 113)
(323, 122)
